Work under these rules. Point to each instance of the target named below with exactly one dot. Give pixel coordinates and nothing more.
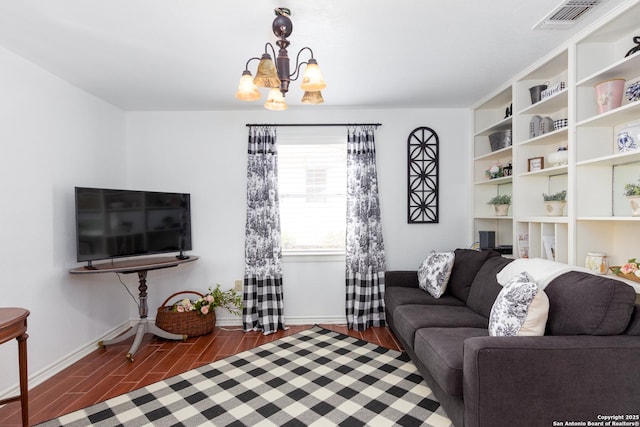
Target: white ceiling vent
(566, 14)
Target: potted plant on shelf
(554, 203)
(632, 191)
(501, 204)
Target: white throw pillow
(521, 309)
(434, 272)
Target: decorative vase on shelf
(536, 92)
(628, 138)
(501, 210)
(554, 207)
(634, 201)
(609, 94)
(597, 262)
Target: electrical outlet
(238, 285)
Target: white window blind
(312, 177)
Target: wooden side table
(13, 324)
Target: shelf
(495, 155)
(620, 115)
(609, 218)
(552, 171)
(497, 101)
(508, 217)
(627, 68)
(549, 138)
(548, 105)
(503, 124)
(613, 160)
(555, 66)
(545, 219)
(496, 181)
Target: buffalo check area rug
(316, 377)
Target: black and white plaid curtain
(364, 245)
(262, 297)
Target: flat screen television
(125, 223)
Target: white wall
(53, 137)
(204, 153)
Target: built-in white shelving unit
(597, 216)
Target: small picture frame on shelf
(536, 164)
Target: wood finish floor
(106, 373)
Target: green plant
(228, 299)
(632, 189)
(501, 199)
(560, 196)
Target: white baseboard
(64, 362)
(59, 365)
(315, 320)
(289, 320)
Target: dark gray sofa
(586, 366)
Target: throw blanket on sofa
(542, 271)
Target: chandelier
(276, 76)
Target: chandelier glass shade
(276, 76)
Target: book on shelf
(523, 245)
(549, 243)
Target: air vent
(566, 14)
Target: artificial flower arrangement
(495, 171)
(630, 270)
(229, 299)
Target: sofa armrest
(534, 381)
(401, 278)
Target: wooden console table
(140, 266)
(13, 324)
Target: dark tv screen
(124, 223)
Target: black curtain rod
(313, 124)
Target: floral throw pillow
(521, 309)
(434, 272)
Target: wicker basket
(616, 271)
(187, 323)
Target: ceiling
(189, 55)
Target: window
(312, 177)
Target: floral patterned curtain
(262, 297)
(364, 246)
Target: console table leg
(24, 388)
(142, 330)
(142, 296)
(152, 328)
(128, 334)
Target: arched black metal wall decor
(423, 145)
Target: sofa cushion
(441, 351)
(634, 323)
(485, 288)
(397, 296)
(434, 272)
(401, 278)
(588, 304)
(465, 268)
(410, 318)
(521, 309)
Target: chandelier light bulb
(247, 90)
(312, 98)
(266, 76)
(312, 79)
(275, 101)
